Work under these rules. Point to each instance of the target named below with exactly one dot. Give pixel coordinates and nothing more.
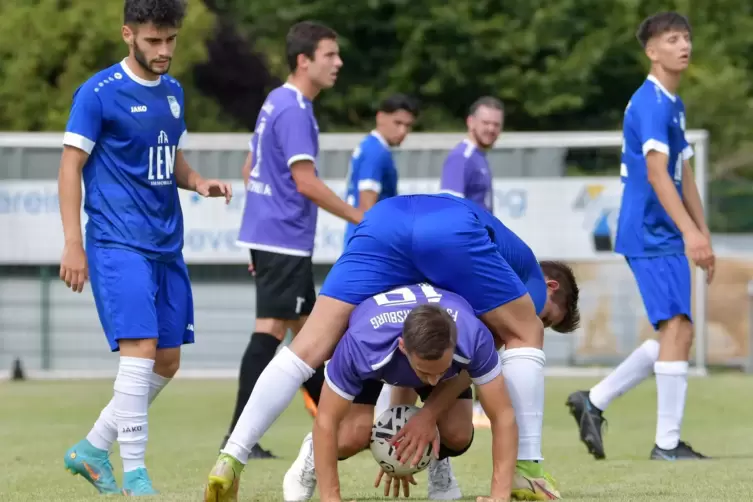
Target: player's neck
(669, 80)
(139, 70)
(307, 88)
(470, 139)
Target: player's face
(430, 372)
(323, 69)
(395, 126)
(671, 50)
(152, 47)
(485, 126)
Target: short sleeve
(654, 120)
(85, 120)
(293, 128)
(372, 169)
(485, 364)
(341, 372)
(453, 176)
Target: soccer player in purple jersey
(419, 337)
(125, 136)
(661, 218)
(466, 171)
(283, 198)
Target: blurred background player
(439, 338)
(661, 215)
(372, 175)
(466, 172)
(282, 200)
(125, 135)
(458, 245)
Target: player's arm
(371, 173)
(658, 177)
(246, 170)
(81, 136)
(293, 129)
(497, 405)
(453, 176)
(343, 382)
(692, 199)
(188, 179)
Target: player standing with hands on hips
(661, 218)
(125, 136)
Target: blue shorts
(441, 242)
(141, 298)
(664, 283)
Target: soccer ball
(387, 425)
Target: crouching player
(420, 337)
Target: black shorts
(372, 388)
(284, 285)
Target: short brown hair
(661, 23)
(428, 332)
(487, 101)
(303, 38)
(566, 296)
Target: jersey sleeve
(293, 130)
(453, 176)
(341, 372)
(654, 120)
(485, 362)
(371, 172)
(85, 120)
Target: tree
(48, 48)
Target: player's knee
(456, 433)
(448, 448)
(515, 324)
(403, 395)
(273, 327)
(143, 348)
(354, 434)
(167, 362)
(677, 332)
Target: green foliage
(48, 48)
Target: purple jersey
(276, 217)
(466, 174)
(369, 349)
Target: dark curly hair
(161, 13)
(566, 296)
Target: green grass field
(40, 420)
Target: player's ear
(128, 34)
(401, 345)
(552, 285)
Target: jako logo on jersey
(174, 106)
(138, 109)
(161, 161)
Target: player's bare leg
(276, 389)
(587, 406)
(675, 339)
(523, 367)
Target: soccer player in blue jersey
(661, 217)
(372, 175)
(456, 245)
(125, 135)
(419, 337)
(466, 172)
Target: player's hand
(699, 249)
(215, 188)
(411, 441)
(394, 483)
(74, 270)
(491, 499)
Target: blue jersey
(371, 168)
(132, 130)
(369, 350)
(654, 120)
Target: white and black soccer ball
(387, 425)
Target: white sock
(130, 405)
(274, 391)
(638, 366)
(671, 387)
(105, 432)
(384, 401)
(523, 370)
